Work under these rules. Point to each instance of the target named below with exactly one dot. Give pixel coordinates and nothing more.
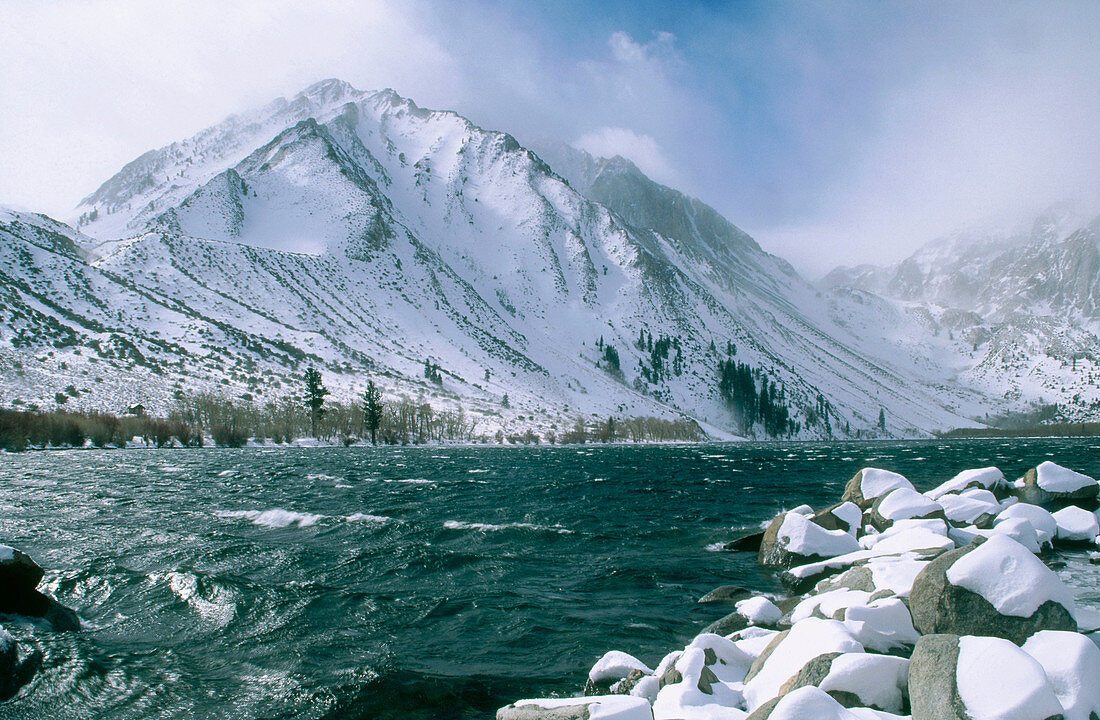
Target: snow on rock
(759, 611)
(600, 707)
(903, 504)
(1076, 525)
(879, 681)
(1010, 577)
(881, 625)
(908, 536)
(616, 665)
(1055, 478)
(1044, 523)
(1050, 484)
(828, 604)
(790, 651)
(1020, 530)
(1072, 665)
(997, 680)
(988, 478)
(724, 657)
(871, 483)
(994, 587)
(753, 641)
(803, 704)
(803, 510)
(793, 537)
(964, 510)
(692, 691)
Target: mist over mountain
(362, 234)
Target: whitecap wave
(365, 517)
(275, 517)
(490, 527)
(214, 604)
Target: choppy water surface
(405, 582)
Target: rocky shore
(930, 606)
(20, 601)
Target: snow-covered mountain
(1017, 314)
(361, 233)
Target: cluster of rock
(19, 596)
(933, 606)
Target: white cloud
(640, 149)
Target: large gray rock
(726, 594)
(19, 578)
(903, 504)
(940, 607)
(960, 678)
(932, 686)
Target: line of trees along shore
(234, 422)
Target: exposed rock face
(794, 539)
(932, 687)
(939, 606)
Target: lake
(412, 582)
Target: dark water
(400, 582)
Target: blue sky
(834, 132)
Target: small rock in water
(19, 578)
(729, 594)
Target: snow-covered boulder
(1052, 485)
(611, 669)
(609, 707)
(844, 516)
(789, 652)
(872, 483)
(994, 587)
(881, 625)
(1075, 526)
(903, 504)
(811, 703)
(856, 679)
(969, 510)
(1072, 664)
(978, 678)
(794, 539)
(989, 478)
(886, 575)
(691, 687)
(909, 536)
(760, 611)
(1043, 522)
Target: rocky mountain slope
(1018, 315)
(368, 236)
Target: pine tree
(504, 401)
(882, 419)
(315, 398)
(372, 410)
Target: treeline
(1083, 429)
(232, 423)
(20, 429)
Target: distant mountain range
(362, 234)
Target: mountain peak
(329, 90)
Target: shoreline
(897, 604)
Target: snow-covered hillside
(1016, 316)
(361, 233)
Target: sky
(833, 132)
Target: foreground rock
(795, 539)
(19, 578)
(963, 678)
(993, 587)
(15, 673)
